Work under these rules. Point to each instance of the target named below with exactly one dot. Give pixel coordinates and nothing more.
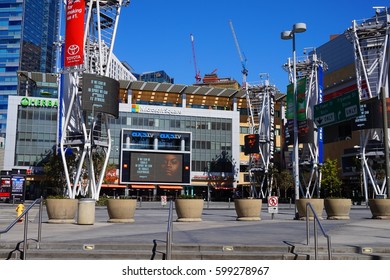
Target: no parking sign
(273, 204)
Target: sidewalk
(219, 227)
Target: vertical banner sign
(301, 99)
(303, 124)
(320, 129)
(290, 102)
(74, 33)
(272, 127)
(289, 131)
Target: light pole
(287, 35)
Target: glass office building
(32, 128)
(28, 29)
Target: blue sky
(155, 34)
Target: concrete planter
(248, 209)
(121, 210)
(189, 210)
(380, 208)
(61, 210)
(317, 203)
(337, 208)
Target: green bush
(102, 201)
(187, 196)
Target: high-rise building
(28, 30)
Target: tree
(330, 181)
(54, 182)
(110, 176)
(284, 181)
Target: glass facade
(36, 134)
(28, 29)
(337, 53)
(210, 136)
(158, 76)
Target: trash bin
(86, 211)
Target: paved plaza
(218, 227)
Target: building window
(244, 130)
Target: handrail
(169, 232)
(316, 232)
(168, 240)
(25, 215)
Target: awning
(171, 187)
(143, 187)
(113, 186)
(223, 188)
(243, 185)
(199, 184)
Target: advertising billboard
(155, 157)
(155, 167)
(74, 33)
(251, 144)
(370, 115)
(17, 187)
(100, 94)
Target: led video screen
(155, 167)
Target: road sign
(273, 201)
(338, 109)
(273, 204)
(163, 200)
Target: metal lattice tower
(261, 108)
(309, 67)
(371, 42)
(87, 135)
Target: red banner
(74, 33)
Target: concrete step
(63, 251)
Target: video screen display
(100, 94)
(155, 167)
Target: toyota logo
(73, 49)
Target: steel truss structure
(371, 42)
(87, 135)
(261, 116)
(309, 67)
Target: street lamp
(287, 35)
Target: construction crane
(197, 72)
(244, 71)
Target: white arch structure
(87, 134)
(309, 69)
(261, 116)
(371, 41)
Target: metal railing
(169, 232)
(316, 219)
(168, 241)
(24, 216)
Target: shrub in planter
(121, 210)
(248, 209)
(317, 203)
(336, 207)
(189, 208)
(380, 208)
(61, 210)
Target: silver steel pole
(295, 146)
(25, 236)
(385, 139)
(40, 223)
